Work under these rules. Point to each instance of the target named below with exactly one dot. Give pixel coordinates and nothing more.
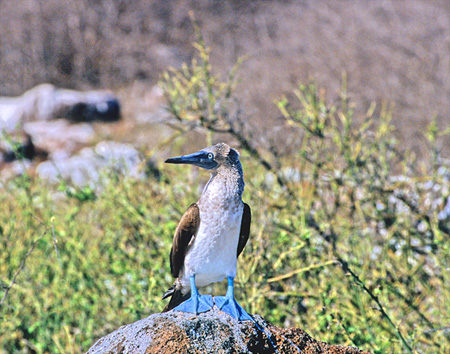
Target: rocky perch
(210, 332)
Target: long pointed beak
(199, 159)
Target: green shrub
(340, 245)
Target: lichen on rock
(210, 332)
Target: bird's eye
(210, 156)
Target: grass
(340, 245)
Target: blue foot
(231, 307)
(196, 304)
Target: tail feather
(177, 297)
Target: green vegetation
(340, 247)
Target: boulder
(87, 167)
(46, 102)
(30, 128)
(210, 332)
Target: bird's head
(210, 158)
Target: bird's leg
(229, 305)
(196, 303)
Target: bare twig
(346, 270)
(54, 243)
(13, 281)
(301, 270)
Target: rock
(15, 168)
(17, 147)
(59, 138)
(29, 127)
(88, 166)
(46, 102)
(210, 332)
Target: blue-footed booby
(210, 235)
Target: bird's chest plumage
(213, 252)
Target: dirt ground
(395, 52)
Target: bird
(211, 235)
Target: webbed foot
(196, 304)
(230, 306)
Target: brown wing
(245, 228)
(186, 229)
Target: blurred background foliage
(341, 246)
(393, 51)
